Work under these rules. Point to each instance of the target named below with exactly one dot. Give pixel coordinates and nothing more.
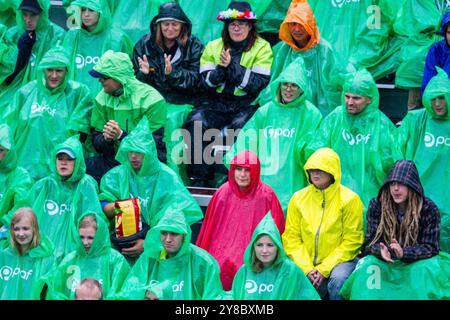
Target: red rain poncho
(232, 216)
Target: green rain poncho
(322, 67)
(365, 142)
(374, 279)
(278, 134)
(424, 138)
(138, 100)
(8, 12)
(134, 16)
(23, 277)
(157, 186)
(8, 54)
(101, 262)
(59, 203)
(47, 33)
(86, 47)
(270, 14)
(14, 181)
(282, 280)
(40, 118)
(193, 274)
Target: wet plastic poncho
(8, 54)
(41, 118)
(192, 274)
(282, 280)
(321, 66)
(374, 279)
(365, 142)
(14, 181)
(232, 215)
(101, 262)
(138, 100)
(86, 47)
(423, 137)
(133, 16)
(324, 227)
(278, 133)
(157, 186)
(270, 14)
(419, 21)
(23, 277)
(46, 33)
(59, 203)
(8, 12)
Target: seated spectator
(421, 139)
(361, 134)
(402, 243)
(93, 258)
(168, 59)
(439, 54)
(279, 131)
(14, 180)
(234, 211)
(89, 289)
(26, 250)
(62, 197)
(47, 111)
(171, 268)
(324, 226)
(267, 267)
(33, 35)
(140, 174)
(94, 37)
(233, 69)
(8, 53)
(122, 103)
(300, 37)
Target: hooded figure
(319, 60)
(87, 46)
(41, 116)
(278, 133)
(417, 270)
(324, 228)
(192, 274)
(420, 136)
(32, 45)
(99, 262)
(182, 84)
(233, 214)
(59, 201)
(8, 53)
(14, 180)
(282, 279)
(157, 187)
(364, 141)
(126, 106)
(439, 53)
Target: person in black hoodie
(168, 58)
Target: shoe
(197, 183)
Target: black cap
(30, 5)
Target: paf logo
(431, 141)
(352, 140)
(252, 287)
(340, 3)
(271, 132)
(6, 273)
(82, 61)
(52, 208)
(37, 108)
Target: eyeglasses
(103, 79)
(289, 86)
(239, 24)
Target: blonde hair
(88, 221)
(19, 215)
(182, 38)
(409, 228)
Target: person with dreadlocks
(402, 243)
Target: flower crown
(231, 14)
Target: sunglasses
(103, 79)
